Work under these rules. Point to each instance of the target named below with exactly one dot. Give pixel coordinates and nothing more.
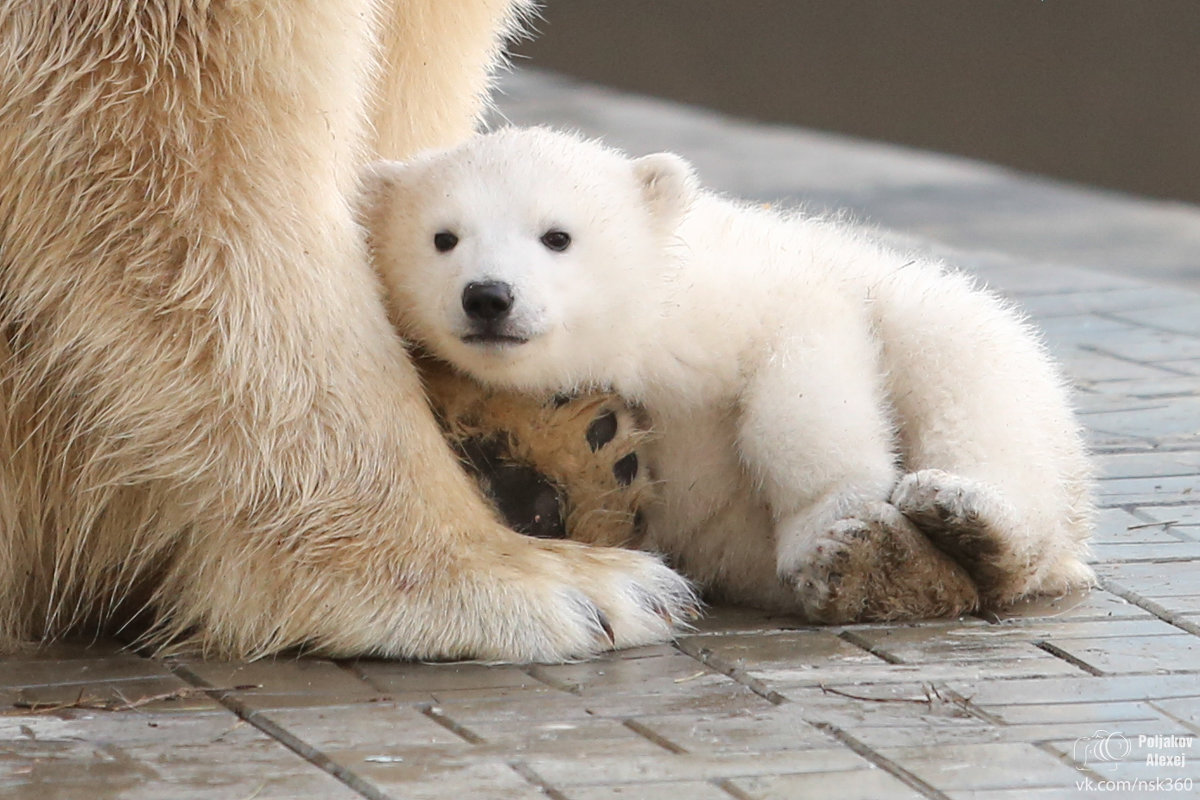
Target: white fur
(794, 370)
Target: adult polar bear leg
(421, 99)
(204, 408)
(816, 432)
(998, 477)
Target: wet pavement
(1063, 698)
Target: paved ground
(1051, 701)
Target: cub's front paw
(876, 566)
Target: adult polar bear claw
(205, 417)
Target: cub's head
(526, 257)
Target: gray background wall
(1105, 92)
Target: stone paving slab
(752, 705)
(153, 756)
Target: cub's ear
(377, 184)
(668, 185)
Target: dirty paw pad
(969, 521)
(878, 567)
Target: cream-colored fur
(826, 410)
(207, 422)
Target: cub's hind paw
(820, 579)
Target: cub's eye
(556, 240)
(444, 241)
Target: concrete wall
(1099, 91)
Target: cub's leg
(815, 432)
(1001, 481)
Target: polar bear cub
(841, 430)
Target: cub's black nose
(487, 301)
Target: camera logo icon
(1102, 747)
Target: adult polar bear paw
(580, 600)
(206, 421)
(876, 566)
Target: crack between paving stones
(1150, 405)
(1083, 769)
(1178, 719)
(1091, 348)
(1141, 447)
(723, 784)
(1183, 394)
(966, 705)
(1114, 315)
(859, 641)
(1157, 503)
(879, 760)
(727, 786)
(526, 772)
(653, 736)
(1154, 559)
(1073, 660)
(1187, 473)
(278, 733)
(1146, 604)
(462, 732)
(539, 674)
(710, 659)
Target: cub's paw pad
(601, 430)
(829, 578)
(878, 567)
(967, 520)
(626, 469)
(936, 499)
